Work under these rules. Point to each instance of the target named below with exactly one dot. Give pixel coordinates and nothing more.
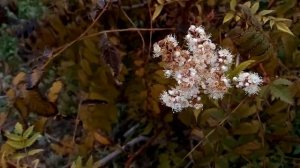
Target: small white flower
(156, 50)
(176, 53)
(168, 73)
(172, 40)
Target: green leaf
(13, 137)
(272, 23)
(247, 128)
(19, 156)
(19, 129)
(283, 27)
(32, 139)
(157, 11)
(282, 92)
(228, 16)
(16, 144)
(34, 151)
(255, 7)
(282, 81)
(89, 163)
(28, 132)
(240, 68)
(232, 5)
(221, 162)
(265, 12)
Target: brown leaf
(54, 91)
(20, 77)
(39, 104)
(110, 55)
(101, 139)
(34, 78)
(247, 148)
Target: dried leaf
(254, 7)
(101, 139)
(282, 27)
(158, 9)
(232, 5)
(3, 117)
(54, 91)
(21, 77)
(34, 78)
(110, 56)
(39, 104)
(265, 12)
(228, 16)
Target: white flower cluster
(200, 69)
(248, 81)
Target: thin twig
(117, 152)
(125, 30)
(213, 130)
(141, 149)
(63, 48)
(139, 32)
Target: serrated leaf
(282, 81)
(282, 27)
(19, 129)
(265, 12)
(240, 68)
(28, 132)
(254, 8)
(13, 137)
(19, 156)
(232, 5)
(16, 145)
(34, 151)
(228, 16)
(32, 139)
(282, 92)
(157, 11)
(246, 128)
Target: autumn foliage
(158, 83)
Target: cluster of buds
(200, 69)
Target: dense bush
(81, 84)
